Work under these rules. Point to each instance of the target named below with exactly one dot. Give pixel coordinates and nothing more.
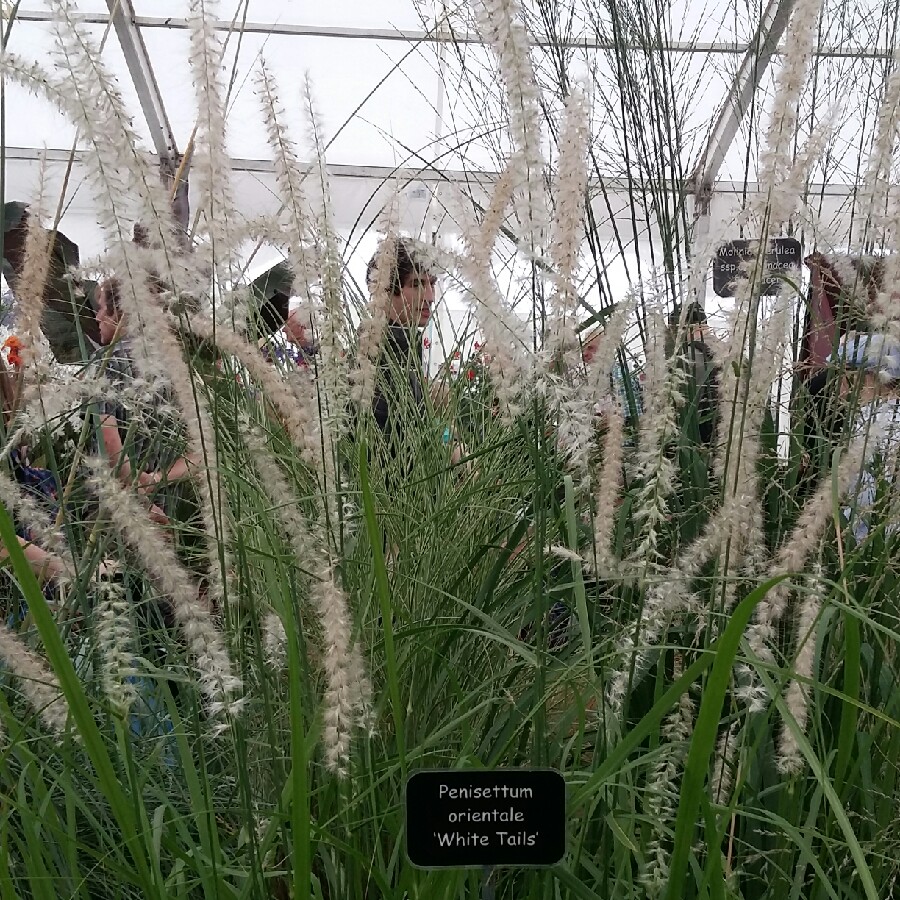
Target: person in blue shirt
(871, 384)
(38, 483)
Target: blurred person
(401, 397)
(701, 388)
(295, 342)
(38, 483)
(871, 389)
(401, 374)
(41, 486)
(143, 441)
(139, 437)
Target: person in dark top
(701, 385)
(400, 392)
(39, 484)
(693, 446)
(140, 435)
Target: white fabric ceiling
(390, 103)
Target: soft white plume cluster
(609, 486)
(294, 399)
(344, 697)
(31, 515)
(274, 641)
(214, 510)
(567, 233)
(117, 170)
(288, 174)
(39, 685)
(662, 793)
(502, 29)
(114, 631)
(776, 158)
(206, 643)
(796, 695)
(561, 552)
(744, 398)
(347, 692)
(211, 165)
(653, 466)
(370, 334)
(872, 221)
(788, 201)
(30, 286)
(331, 327)
(735, 525)
(799, 546)
(880, 206)
(588, 393)
(57, 395)
(89, 95)
(505, 335)
(569, 392)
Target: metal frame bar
(438, 176)
(137, 59)
(440, 35)
(738, 99)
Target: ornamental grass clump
(225, 690)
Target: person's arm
(112, 443)
(458, 452)
(45, 565)
(183, 467)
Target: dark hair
(111, 290)
(405, 263)
(693, 316)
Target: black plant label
(509, 817)
(735, 261)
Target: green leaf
(383, 590)
(703, 740)
(821, 774)
(78, 704)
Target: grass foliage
(677, 785)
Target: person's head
(298, 330)
(694, 316)
(108, 313)
(295, 329)
(590, 343)
(409, 284)
(693, 320)
(871, 364)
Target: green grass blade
(577, 575)
(383, 589)
(703, 740)
(78, 704)
(821, 775)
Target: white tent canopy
(410, 100)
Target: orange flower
(14, 345)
